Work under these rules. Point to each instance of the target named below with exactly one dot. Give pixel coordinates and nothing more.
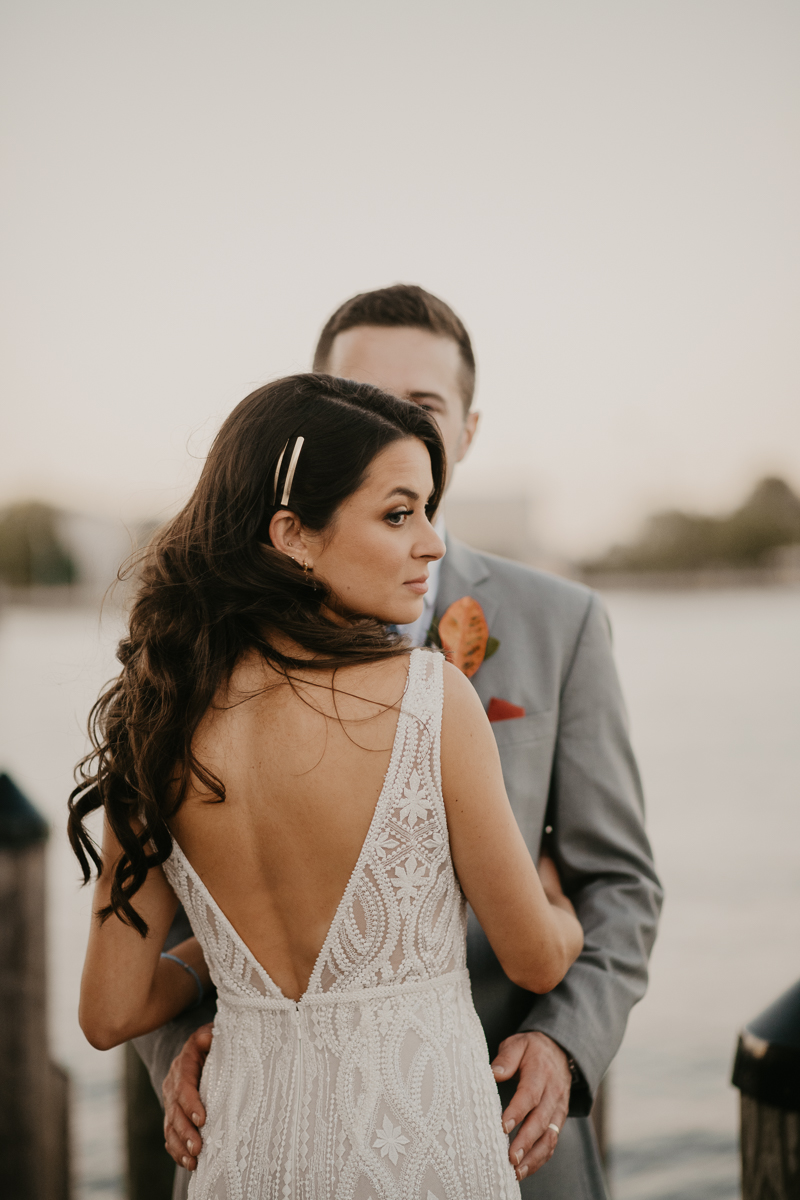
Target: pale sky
(607, 192)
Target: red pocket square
(503, 710)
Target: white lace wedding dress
(376, 1084)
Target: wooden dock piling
(770, 1152)
(767, 1073)
(599, 1118)
(34, 1093)
(151, 1171)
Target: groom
(567, 764)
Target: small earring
(307, 568)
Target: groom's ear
(467, 434)
(286, 534)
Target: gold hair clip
(287, 487)
(277, 473)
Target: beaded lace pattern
(376, 1084)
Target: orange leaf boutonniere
(463, 634)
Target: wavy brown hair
(213, 588)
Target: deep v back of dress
(376, 1083)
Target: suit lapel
(466, 573)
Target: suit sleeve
(159, 1048)
(605, 862)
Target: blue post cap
(20, 823)
(767, 1064)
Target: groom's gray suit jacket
(567, 763)
(568, 759)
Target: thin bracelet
(192, 972)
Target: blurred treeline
(32, 549)
(750, 537)
(48, 553)
(42, 546)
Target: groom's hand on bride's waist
(541, 1098)
(183, 1109)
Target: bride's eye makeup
(397, 516)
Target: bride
(323, 803)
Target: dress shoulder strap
(422, 713)
(424, 694)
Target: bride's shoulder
(456, 684)
(391, 671)
(462, 707)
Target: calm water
(713, 687)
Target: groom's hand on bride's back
(541, 1098)
(184, 1114)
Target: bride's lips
(420, 586)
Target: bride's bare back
(302, 768)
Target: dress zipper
(298, 1089)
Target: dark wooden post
(151, 1171)
(767, 1073)
(770, 1152)
(34, 1136)
(599, 1115)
